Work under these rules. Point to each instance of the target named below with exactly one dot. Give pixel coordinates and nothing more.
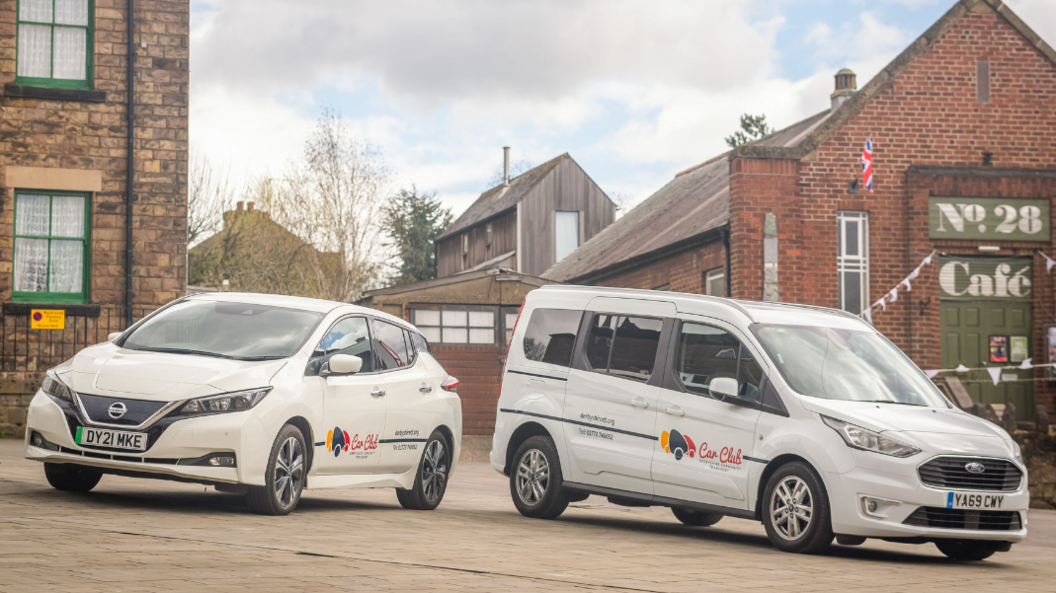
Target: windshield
(228, 330)
(846, 365)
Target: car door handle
(639, 402)
(425, 389)
(675, 411)
(378, 392)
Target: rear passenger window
(390, 346)
(551, 336)
(419, 343)
(624, 346)
(707, 352)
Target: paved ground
(146, 535)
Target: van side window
(705, 353)
(391, 346)
(551, 336)
(623, 346)
(348, 336)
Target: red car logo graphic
(677, 443)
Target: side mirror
(110, 337)
(342, 364)
(723, 388)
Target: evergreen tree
(414, 221)
(752, 127)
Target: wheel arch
(450, 436)
(305, 427)
(771, 467)
(523, 433)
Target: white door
(611, 395)
(353, 411)
(706, 443)
(408, 390)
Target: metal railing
(27, 350)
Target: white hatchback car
(254, 393)
(804, 418)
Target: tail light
(450, 384)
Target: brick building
(67, 211)
(962, 125)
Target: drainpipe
(131, 118)
(726, 244)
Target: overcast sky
(634, 90)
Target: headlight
(1017, 452)
(867, 440)
(54, 387)
(226, 402)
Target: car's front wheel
(535, 480)
(695, 518)
(966, 549)
(430, 483)
(70, 477)
(796, 510)
(284, 477)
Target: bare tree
(209, 194)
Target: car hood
(106, 369)
(906, 419)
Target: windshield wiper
(185, 351)
(888, 401)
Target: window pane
(850, 237)
(705, 353)
(349, 336)
(481, 336)
(599, 341)
(31, 217)
(852, 292)
(551, 335)
(34, 51)
(481, 319)
(70, 60)
(750, 376)
(391, 346)
(67, 216)
(31, 265)
(71, 12)
(38, 11)
(715, 283)
(419, 343)
(455, 335)
(566, 232)
(634, 351)
(426, 317)
(67, 266)
(431, 333)
(455, 318)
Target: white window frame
(712, 275)
(447, 330)
(853, 263)
(579, 231)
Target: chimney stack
(249, 206)
(238, 206)
(846, 85)
(505, 165)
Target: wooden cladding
(477, 244)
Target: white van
(804, 418)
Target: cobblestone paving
(146, 535)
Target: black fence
(27, 350)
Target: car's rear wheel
(796, 510)
(430, 483)
(284, 477)
(535, 480)
(966, 549)
(695, 518)
(70, 477)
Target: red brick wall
(479, 371)
(684, 271)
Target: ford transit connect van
(804, 418)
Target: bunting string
(892, 295)
(995, 372)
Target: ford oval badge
(975, 467)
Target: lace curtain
(35, 55)
(58, 216)
(34, 51)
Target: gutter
(726, 245)
(130, 114)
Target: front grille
(138, 410)
(965, 519)
(950, 472)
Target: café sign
(986, 278)
(995, 219)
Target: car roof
(751, 311)
(295, 302)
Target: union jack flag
(867, 164)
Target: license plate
(115, 439)
(961, 500)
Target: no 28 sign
(989, 218)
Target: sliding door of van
(612, 390)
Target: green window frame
(54, 237)
(28, 20)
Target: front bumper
(900, 495)
(174, 446)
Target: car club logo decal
(681, 445)
(337, 440)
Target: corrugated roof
(694, 202)
(501, 197)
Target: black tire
(283, 482)
(797, 534)
(966, 549)
(695, 518)
(430, 483)
(70, 477)
(542, 496)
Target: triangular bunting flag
(882, 303)
(909, 286)
(927, 260)
(995, 374)
(1026, 364)
(868, 315)
(962, 369)
(931, 374)
(1049, 262)
(894, 294)
(913, 275)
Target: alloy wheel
(533, 476)
(791, 508)
(434, 471)
(289, 471)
